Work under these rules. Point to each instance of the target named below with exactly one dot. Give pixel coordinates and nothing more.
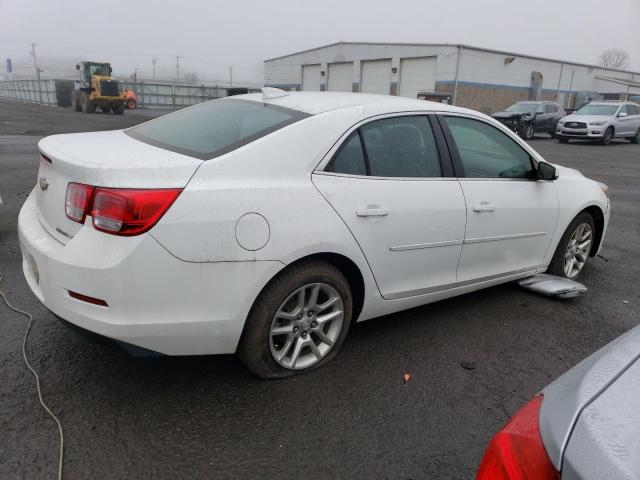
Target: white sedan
(266, 224)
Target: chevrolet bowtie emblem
(43, 184)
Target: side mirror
(546, 171)
(622, 114)
(77, 66)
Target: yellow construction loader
(97, 89)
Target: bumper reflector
(86, 298)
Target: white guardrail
(30, 91)
(57, 92)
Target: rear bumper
(155, 301)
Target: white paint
(376, 77)
(340, 77)
(186, 286)
(417, 74)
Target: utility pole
(230, 76)
(177, 67)
(154, 60)
(35, 64)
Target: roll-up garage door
(311, 77)
(417, 74)
(376, 76)
(340, 77)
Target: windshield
(597, 110)
(99, 69)
(214, 128)
(522, 107)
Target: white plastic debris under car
(552, 286)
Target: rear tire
(279, 307)
(607, 137)
(75, 102)
(87, 105)
(576, 244)
(636, 138)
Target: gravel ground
(207, 417)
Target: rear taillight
(77, 201)
(516, 452)
(129, 212)
(119, 211)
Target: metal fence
(149, 94)
(32, 91)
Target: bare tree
(614, 58)
(191, 77)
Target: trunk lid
(104, 159)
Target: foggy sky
(211, 35)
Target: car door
(624, 122)
(511, 217)
(633, 112)
(542, 118)
(393, 186)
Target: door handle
(372, 212)
(483, 207)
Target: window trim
(455, 154)
(296, 116)
(444, 157)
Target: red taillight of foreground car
(77, 201)
(516, 452)
(130, 212)
(118, 211)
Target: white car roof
(320, 102)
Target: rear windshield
(597, 110)
(214, 128)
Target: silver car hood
(586, 118)
(568, 402)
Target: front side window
(623, 109)
(633, 110)
(401, 147)
(214, 128)
(486, 152)
(550, 108)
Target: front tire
(573, 250)
(298, 322)
(528, 131)
(607, 137)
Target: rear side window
(349, 159)
(214, 128)
(401, 147)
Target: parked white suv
(602, 121)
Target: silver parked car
(585, 425)
(601, 121)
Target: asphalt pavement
(473, 361)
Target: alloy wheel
(577, 250)
(306, 326)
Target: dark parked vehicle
(527, 118)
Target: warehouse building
(477, 78)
